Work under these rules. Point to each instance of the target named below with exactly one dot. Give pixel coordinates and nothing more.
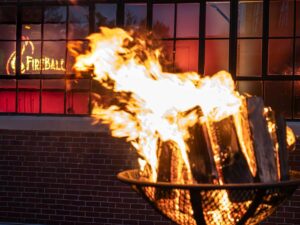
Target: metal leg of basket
(252, 208)
(197, 207)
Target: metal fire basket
(210, 204)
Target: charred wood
(263, 145)
(200, 155)
(234, 165)
(282, 147)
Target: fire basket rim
(131, 177)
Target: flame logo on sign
(29, 63)
(11, 62)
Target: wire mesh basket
(201, 204)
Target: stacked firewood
(250, 146)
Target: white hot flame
(157, 99)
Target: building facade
(55, 167)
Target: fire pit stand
(200, 204)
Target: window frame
(233, 39)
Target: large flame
(156, 106)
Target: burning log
(171, 168)
(165, 152)
(278, 131)
(200, 155)
(232, 164)
(263, 145)
(241, 122)
(282, 147)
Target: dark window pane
(53, 102)
(281, 18)
(77, 102)
(78, 22)
(278, 95)
(8, 32)
(78, 14)
(250, 87)
(54, 31)
(297, 56)
(7, 101)
(28, 101)
(297, 100)
(216, 56)
(250, 18)
(31, 57)
(298, 18)
(136, 14)
(55, 14)
(54, 57)
(280, 56)
(78, 30)
(31, 31)
(53, 84)
(8, 14)
(186, 56)
(163, 20)
(105, 15)
(31, 14)
(7, 57)
(188, 20)
(217, 19)
(249, 57)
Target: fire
(158, 99)
(159, 112)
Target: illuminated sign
(30, 63)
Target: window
(257, 41)
(181, 37)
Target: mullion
(7, 89)
(42, 55)
(294, 58)
(120, 13)
(66, 52)
(269, 78)
(174, 36)
(18, 52)
(233, 37)
(91, 30)
(149, 14)
(202, 18)
(265, 44)
(265, 38)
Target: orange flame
(158, 99)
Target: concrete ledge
(59, 123)
(50, 123)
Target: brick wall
(69, 178)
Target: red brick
(67, 178)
